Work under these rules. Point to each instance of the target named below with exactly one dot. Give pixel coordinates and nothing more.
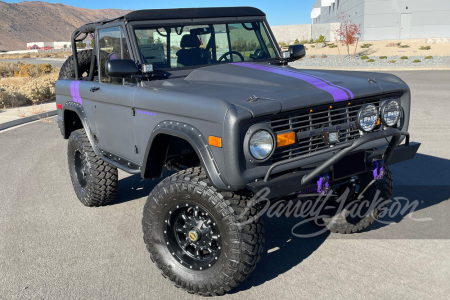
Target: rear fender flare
(79, 110)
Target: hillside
(25, 22)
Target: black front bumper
(298, 180)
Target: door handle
(94, 88)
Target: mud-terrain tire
(94, 180)
(239, 233)
(84, 63)
(380, 192)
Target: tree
(81, 45)
(348, 32)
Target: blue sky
(283, 12)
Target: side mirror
(123, 68)
(297, 51)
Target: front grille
(309, 124)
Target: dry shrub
(9, 69)
(26, 91)
(41, 89)
(36, 109)
(21, 113)
(12, 99)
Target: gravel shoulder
(389, 63)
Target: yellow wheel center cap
(193, 235)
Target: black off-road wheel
(205, 241)
(84, 63)
(94, 180)
(354, 215)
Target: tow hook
(323, 185)
(378, 169)
(378, 173)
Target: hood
(265, 89)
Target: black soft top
(178, 13)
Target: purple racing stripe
(336, 92)
(350, 93)
(75, 92)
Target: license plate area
(351, 164)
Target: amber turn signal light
(215, 141)
(285, 139)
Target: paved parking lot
(52, 247)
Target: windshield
(186, 46)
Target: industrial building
(47, 45)
(388, 19)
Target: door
(113, 98)
(405, 26)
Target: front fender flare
(198, 142)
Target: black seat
(190, 54)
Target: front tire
(94, 180)
(202, 240)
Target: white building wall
(391, 19)
(60, 45)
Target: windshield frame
(131, 26)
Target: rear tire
(94, 180)
(235, 250)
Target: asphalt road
(52, 247)
(56, 62)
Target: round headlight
(261, 144)
(390, 112)
(367, 117)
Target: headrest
(191, 41)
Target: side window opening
(112, 45)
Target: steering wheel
(224, 56)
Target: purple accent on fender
(323, 185)
(378, 169)
(75, 92)
(337, 92)
(147, 113)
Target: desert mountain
(24, 22)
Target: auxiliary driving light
(367, 117)
(390, 112)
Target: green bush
(321, 39)
(365, 46)
(296, 42)
(404, 57)
(429, 57)
(403, 46)
(383, 57)
(392, 61)
(332, 46)
(371, 60)
(417, 61)
(364, 57)
(425, 48)
(313, 46)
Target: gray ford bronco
(208, 93)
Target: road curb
(25, 120)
